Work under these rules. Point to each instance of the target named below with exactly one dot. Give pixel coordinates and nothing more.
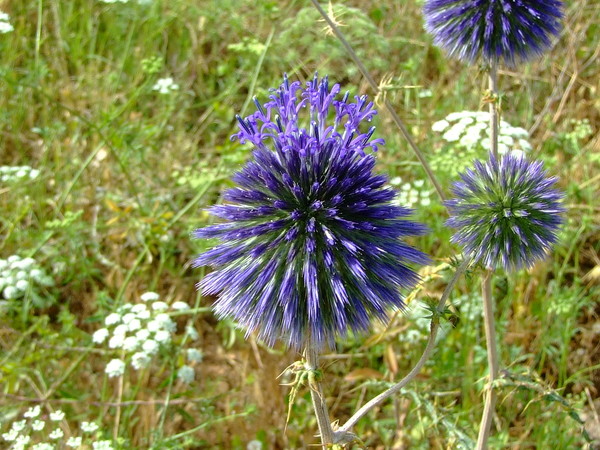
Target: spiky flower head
(493, 30)
(312, 246)
(507, 213)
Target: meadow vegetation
(115, 124)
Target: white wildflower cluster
(14, 174)
(471, 129)
(40, 432)
(140, 330)
(5, 26)
(411, 195)
(165, 86)
(20, 275)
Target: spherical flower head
(493, 30)
(507, 213)
(312, 245)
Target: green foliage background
(126, 173)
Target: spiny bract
(507, 213)
(311, 248)
(509, 30)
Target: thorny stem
(488, 306)
(316, 392)
(493, 84)
(387, 104)
(490, 337)
(435, 324)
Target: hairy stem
(435, 324)
(490, 337)
(318, 399)
(387, 104)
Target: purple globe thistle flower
(507, 213)
(509, 30)
(312, 246)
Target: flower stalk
(311, 356)
(435, 324)
(492, 353)
(399, 123)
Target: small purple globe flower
(494, 30)
(312, 247)
(507, 213)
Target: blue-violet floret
(312, 247)
(494, 30)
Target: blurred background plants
(103, 177)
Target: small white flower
(180, 306)
(166, 322)
(10, 436)
(153, 326)
(43, 446)
(140, 360)
(142, 335)
(112, 319)
(36, 274)
(10, 292)
(88, 427)
(144, 315)
(165, 85)
(150, 347)
(160, 306)
(38, 425)
(56, 434)
(116, 341)
(128, 317)
(138, 308)
(149, 296)
(32, 412)
(194, 355)
(100, 336)
(6, 27)
(57, 416)
(191, 332)
(102, 445)
(396, 181)
(21, 442)
(18, 426)
(254, 445)
(452, 135)
(162, 336)
(120, 330)
(74, 442)
(21, 275)
(130, 343)
(135, 324)
(186, 374)
(115, 368)
(425, 202)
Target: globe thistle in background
(494, 30)
(507, 213)
(312, 245)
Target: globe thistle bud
(494, 30)
(507, 213)
(312, 245)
